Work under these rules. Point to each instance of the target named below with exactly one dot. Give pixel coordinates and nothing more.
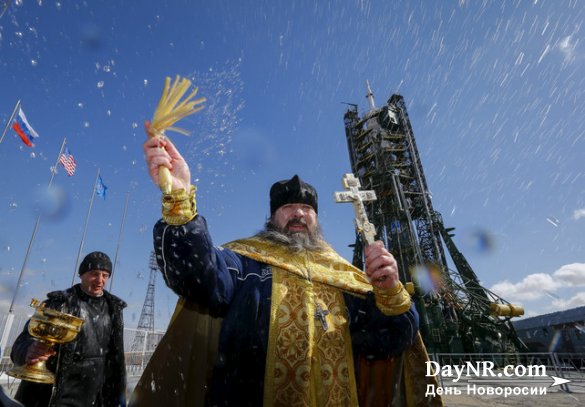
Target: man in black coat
(90, 370)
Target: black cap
(95, 261)
(290, 191)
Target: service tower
(457, 314)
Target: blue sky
(494, 92)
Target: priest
(278, 318)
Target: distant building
(562, 332)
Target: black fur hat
(290, 191)
(95, 261)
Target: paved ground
(554, 397)
(551, 399)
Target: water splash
(218, 122)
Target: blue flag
(101, 188)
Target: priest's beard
(294, 241)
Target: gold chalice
(49, 327)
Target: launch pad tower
(457, 314)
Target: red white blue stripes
(24, 130)
(68, 161)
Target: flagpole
(119, 239)
(10, 120)
(30, 243)
(85, 227)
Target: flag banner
(101, 188)
(24, 130)
(68, 161)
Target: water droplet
(80, 105)
(86, 124)
(33, 155)
(146, 82)
(34, 62)
(124, 148)
(134, 125)
(18, 34)
(109, 112)
(107, 68)
(100, 84)
(553, 221)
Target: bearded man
(295, 314)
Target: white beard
(294, 241)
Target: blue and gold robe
(246, 333)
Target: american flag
(68, 162)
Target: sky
(494, 91)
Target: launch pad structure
(457, 314)
(145, 340)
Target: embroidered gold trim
(307, 365)
(327, 267)
(394, 301)
(179, 207)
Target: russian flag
(24, 129)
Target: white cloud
(530, 288)
(538, 285)
(577, 300)
(573, 275)
(579, 213)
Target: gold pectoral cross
(321, 316)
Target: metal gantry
(144, 339)
(457, 313)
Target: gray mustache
(296, 221)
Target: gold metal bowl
(50, 327)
